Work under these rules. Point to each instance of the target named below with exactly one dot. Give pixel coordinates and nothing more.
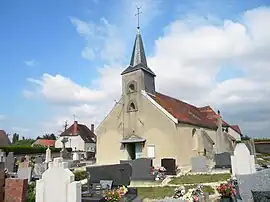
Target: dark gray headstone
(10, 162)
(261, 196)
(199, 164)
(120, 174)
(223, 160)
(259, 181)
(141, 169)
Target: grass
(162, 192)
(202, 178)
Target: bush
(29, 150)
(31, 193)
(80, 175)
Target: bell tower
(135, 78)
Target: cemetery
(69, 179)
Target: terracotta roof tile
(187, 113)
(236, 128)
(44, 142)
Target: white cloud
(30, 63)
(186, 59)
(61, 90)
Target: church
(148, 124)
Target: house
(44, 143)
(79, 137)
(146, 123)
(4, 140)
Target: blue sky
(38, 37)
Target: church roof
(187, 113)
(236, 128)
(138, 57)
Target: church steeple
(138, 58)
(138, 73)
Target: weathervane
(138, 14)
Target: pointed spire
(138, 55)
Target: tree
(48, 137)
(15, 138)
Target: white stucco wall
(73, 142)
(234, 134)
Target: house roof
(4, 140)
(86, 134)
(236, 128)
(44, 142)
(187, 113)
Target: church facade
(148, 124)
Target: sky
(64, 58)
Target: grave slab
(199, 164)
(16, 190)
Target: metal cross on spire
(138, 14)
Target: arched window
(194, 139)
(131, 87)
(132, 106)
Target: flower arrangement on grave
(115, 194)
(192, 195)
(226, 190)
(179, 192)
(159, 173)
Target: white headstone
(48, 157)
(57, 184)
(242, 162)
(76, 156)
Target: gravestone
(16, 190)
(10, 160)
(2, 156)
(199, 164)
(120, 174)
(169, 165)
(58, 184)
(39, 169)
(223, 160)
(141, 169)
(2, 180)
(258, 182)
(24, 164)
(242, 162)
(25, 173)
(39, 159)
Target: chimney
(93, 128)
(75, 128)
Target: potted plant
(227, 191)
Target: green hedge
(80, 175)
(29, 149)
